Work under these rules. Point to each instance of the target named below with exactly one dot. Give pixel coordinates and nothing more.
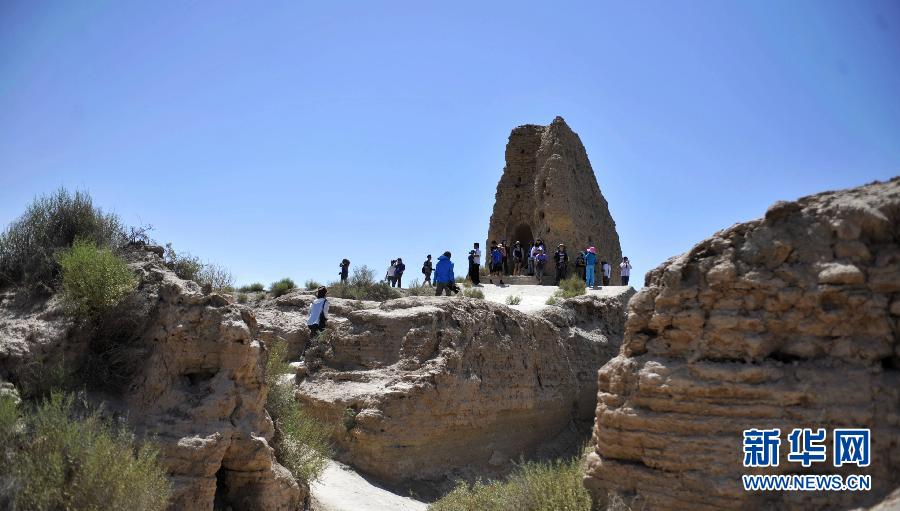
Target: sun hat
(592, 250)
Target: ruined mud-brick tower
(548, 190)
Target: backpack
(579, 261)
(426, 267)
(322, 318)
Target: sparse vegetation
(571, 287)
(94, 279)
(552, 300)
(460, 280)
(242, 298)
(301, 442)
(513, 300)
(69, 457)
(533, 486)
(282, 287)
(417, 289)
(349, 418)
(29, 246)
(362, 286)
(190, 267)
(473, 293)
(312, 284)
(260, 297)
(256, 287)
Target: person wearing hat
(443, 275)
(590, 263)
(317, 313)
(561, 258)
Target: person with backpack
(317, 313)
(625, 266)
(476, 274)
(590, 263)
(580, 265)
(389, 275)
(606, 269)
(497, 263)
(518, 254)
(540, 262)
(398, 272)
(443, 275)
(426, 270)
(345, 270)
(561, 258)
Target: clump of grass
(533, 486)
(190, 267)
(473, 293)
(513, 300)
(417, 289)
(362, 286)
(282, 287)
(242, 298)
(67, 457)
(260, 297)
(312, 284)
(256, 287)
(460, 279)
(571, 287)
(552, 300)
(301, 442)
(51, 223)
(94, 279)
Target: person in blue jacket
(590, 264)
(443, 275)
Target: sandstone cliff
(422, 388)
(548, 190)
(789, 321)
(195, 384)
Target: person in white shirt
(476, 272)
(607, 272)
(318, 312)
(626, 270)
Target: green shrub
(242, 298)
(94, 279)
(302, 442)
(552, 300)
(70, 458)
(513, 300)
(571, 287)
(362, 286)
(282, 287)
(260, 297)
(473, 293)
(532, 487)
(311, 284)
(29, 246)
(256, 287)
(9, 417)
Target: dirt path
(339, 488)
(534, 297)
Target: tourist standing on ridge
(443, 275)
(389, 276)
(532, 250)
(626, 270)
(398, 272)
(345, 270)
(561, 258)
(579, 264)
(497, 263)
(317, 312)
(606, 269)
(518, 254)
(426, 270)
(590, 263)
(476, 275)
(540, 262)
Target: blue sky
(276, 138)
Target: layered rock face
(420, 388)
(790, 321)
(548, 190)
(198, 389)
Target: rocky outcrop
(548, 190)
(789, 321)
(196, 385)
(419, 388)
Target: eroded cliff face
(196, 385)
(790, 321)
(423, 388)
(548, 190)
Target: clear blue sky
(278, 137)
